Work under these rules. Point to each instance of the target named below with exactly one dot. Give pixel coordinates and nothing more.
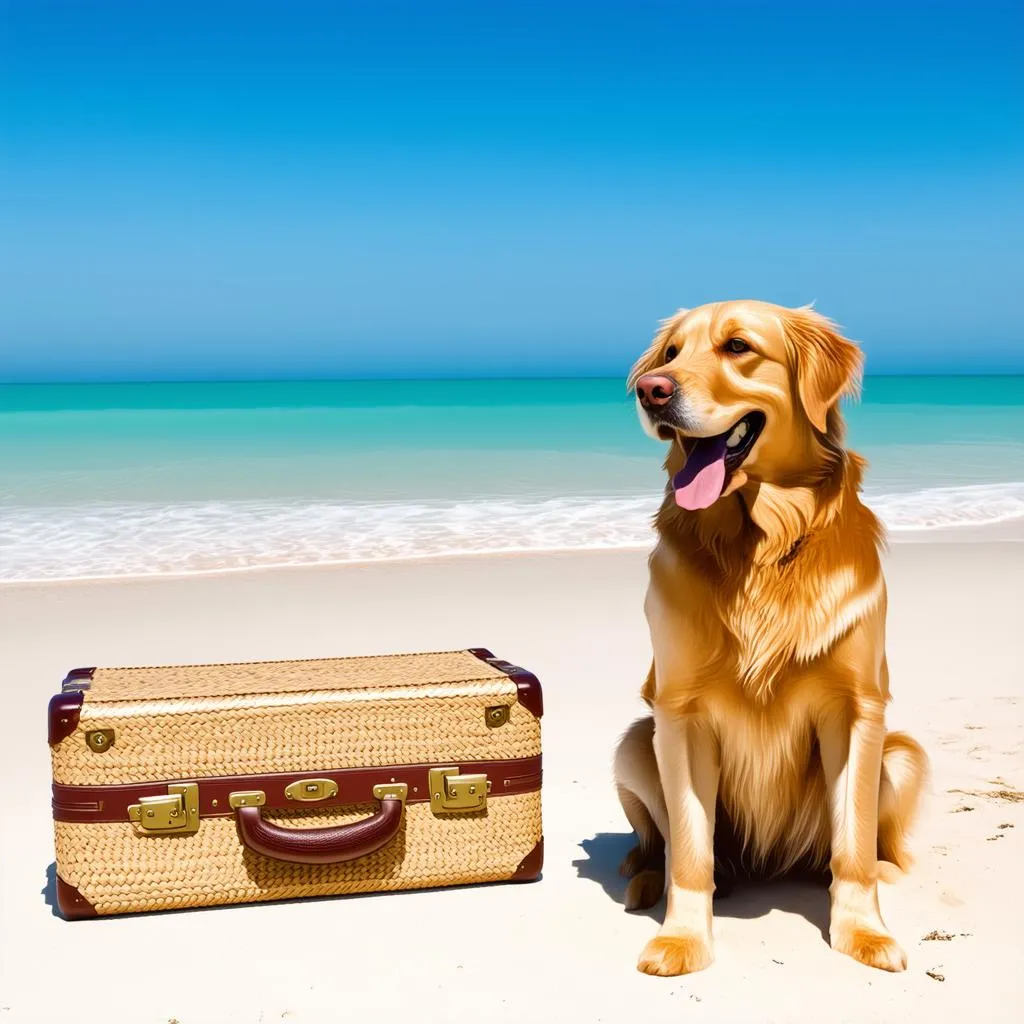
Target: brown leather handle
(320, 845)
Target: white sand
(562, 948)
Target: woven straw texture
(244, 678)
(277, 719)
(119, 871)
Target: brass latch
(451, 793)
(177, 812)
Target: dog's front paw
(669, 955)
(868, 945)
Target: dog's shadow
(748, 900)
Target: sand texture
(562, 948)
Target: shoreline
(1007, 531)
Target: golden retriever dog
(766, 752)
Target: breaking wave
(99, 540)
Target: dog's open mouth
(710, 460)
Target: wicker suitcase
(195, 785)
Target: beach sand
(562, 948)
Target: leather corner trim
(72, 904)
(65, 708)
(531, 694)
(530, 866)
(78, 679)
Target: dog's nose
(653, 390)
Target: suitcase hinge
(176, 813)
(452, 793)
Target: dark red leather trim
(65, 708)
(320, 845)
(530, 866)
(531, 695)
(71, 903)
(78, 679)
(355, 786)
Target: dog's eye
(736, 346)
(670, 353)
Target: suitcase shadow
(49, 891)
(748, 900)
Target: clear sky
(300, 189)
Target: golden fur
(766, 750)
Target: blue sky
(232, 190)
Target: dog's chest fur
(752, 622)
(783, 615)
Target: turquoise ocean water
(139, 479)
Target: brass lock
(312, 789)
(452, 793)
(177, 812)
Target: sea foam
(98, 540)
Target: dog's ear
(828, 366)
(652, 358)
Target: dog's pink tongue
(699, 483)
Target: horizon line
(518, 378)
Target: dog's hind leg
(904, 772)
(639, 789)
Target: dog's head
(748, 391)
